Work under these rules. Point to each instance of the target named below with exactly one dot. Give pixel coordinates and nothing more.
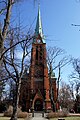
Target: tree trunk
(7, 19)
(1, 49)
(3, 33)
(16, 101)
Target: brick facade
(36, 86)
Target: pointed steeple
(38, 30)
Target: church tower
(40, 87)
(38, 90)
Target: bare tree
(75, 78)
(15, 64)
(56, 59)
(65, 96)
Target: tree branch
(14, 46)
(12, 76)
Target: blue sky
(57, 17)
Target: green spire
(38, 30)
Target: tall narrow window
(41, 52)
(36, 52)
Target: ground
(38, 116)
(7, 118)
(68, 118)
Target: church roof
(38, 29)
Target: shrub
(57, 114)
(9, 111)
(21, 114)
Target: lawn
(68, 118)
(7, 118)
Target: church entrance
(38, 105)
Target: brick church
(38, 90)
